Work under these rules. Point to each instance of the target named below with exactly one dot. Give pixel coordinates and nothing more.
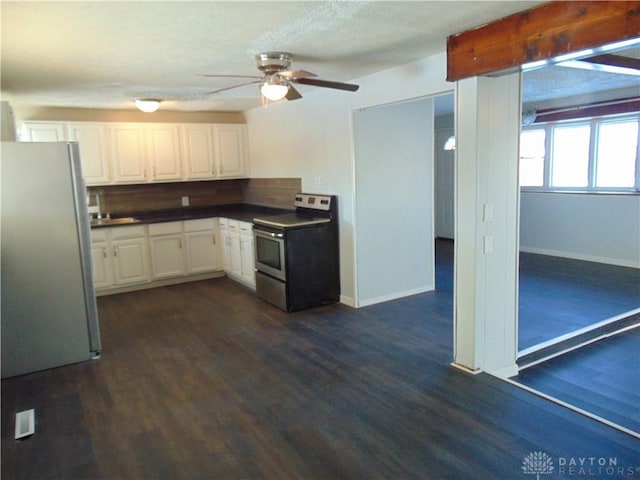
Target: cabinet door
(164, 152)
(201, 252)
(248, 262)
(226, 249)
(92, 140)
(197, 151)
(130, 261)
(42, 132)
(236, 256)
(127, 153)
(102, 271)
(167, 256)
(230, 147)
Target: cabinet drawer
(199, 225)
(130, 231)
(233, 224)
(99, 234)
(245, 228)
(167, 228)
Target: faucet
(94, 209)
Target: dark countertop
(242, 212)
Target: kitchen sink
(113, 221)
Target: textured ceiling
(104, 54)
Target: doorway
(579, 273)
(394, 200)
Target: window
(532, 148)
(585, 155)
(617, 149)
(570, 156)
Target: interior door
(444, 185)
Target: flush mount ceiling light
(148, 105)
(274, 88)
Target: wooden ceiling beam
(541, 33)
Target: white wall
(486, 219)
(599, 227)
(311, 138)
(394, 199)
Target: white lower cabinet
(120, 256)
(201, 248)
(130, 261)
(167, 253)
(238, 259)
(102, 264)
(136, 254)
(247, 254)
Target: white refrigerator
(48, 304)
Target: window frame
(594, 123)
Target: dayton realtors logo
(537, 463)
(540, 463)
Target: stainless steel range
(297, 261)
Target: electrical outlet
(185, 201)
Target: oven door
(270, 257)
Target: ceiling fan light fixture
(274, 88)
(148, 105)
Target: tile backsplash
(272, 192)
(275, 192)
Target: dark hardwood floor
(205, 381)
(561, 295)
(558, 296)
(602, 378)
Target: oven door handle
(269, 234)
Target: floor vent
(25, 424)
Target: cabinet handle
(213, 239)
(115, 251)
(104, 252)
(180, 244)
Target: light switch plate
(488, 244)
(25, 424)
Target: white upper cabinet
(113, 153)
(163, 147)
(197, 151)
(230, 150)
(94, 155)
(43, 132)
(128, 153)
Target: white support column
(486, 246)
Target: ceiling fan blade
(291, 74)
(234, 86)
(213, 75)
(293, 94)
(327, 84)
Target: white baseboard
(579, 256)
(465, 369)
(505, 372)
(158, 283)
(394, 296)
(348, 301)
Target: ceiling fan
(277, 80)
